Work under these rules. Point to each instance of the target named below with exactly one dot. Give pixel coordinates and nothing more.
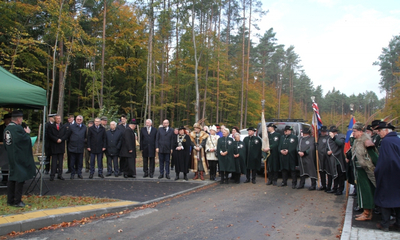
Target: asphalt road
(243, 211)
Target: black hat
(271, 125)
(251, 128)
(182, 127)
(17, 113)
(133, 121)
(6, 116)
(375, 123)
(52, 115)
(287, 127)
(369, 127)
(383, 125)
(306, 130)
(324, 129)
(333, 129)
(103, 118)
(91, 121)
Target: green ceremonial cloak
(289, 161)
(253, 152)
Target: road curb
(347, 225)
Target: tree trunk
(195, 66)
(242, 89)
(102, 54)
(248, 68)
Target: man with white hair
(113, 145)
(148, 135)
(164, 147)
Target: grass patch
(48, 202)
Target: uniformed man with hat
(253, 146)
(4, 168)
(18, 145)
(273, 163)
(306, 151)
(128, 151)
(376, 139)
(324, 170)
(104, 121)
(335, 150)
(288, 156)
(47, 149)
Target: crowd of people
(372, 163)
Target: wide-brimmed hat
(369, 127)
(375, 123)
(17, 113)
(306, 130)
(251, 128)
(383, 125)
(181, 128)
(287, 127)
(271, 125)
(323, 129)
(333, 129)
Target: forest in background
(173, 59)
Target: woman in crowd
(181, 154)
(211, 149)
(225, 151)
(239, 154)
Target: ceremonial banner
(316, 120)
(349, 132)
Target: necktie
(148, 130)
(58, 127)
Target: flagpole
(347, 181)
(316, 141)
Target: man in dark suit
(57, 136)
(128, 151)
(96, 141)
(76, 144)
(122, 126)
(70, 122)
(47, 142)
(148, 147)
(113, 146)
(164, 146)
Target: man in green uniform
(323, 160)
(273, 163)
(18, 145)
(376, 139)
(306, 151)
(335, 151)
(253, 146)
(288, 156)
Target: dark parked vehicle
(297, 124)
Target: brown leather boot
(202, 175)
(359, 215)
(367, 215)
(196, 175)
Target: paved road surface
(244, 211)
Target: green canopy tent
(16, 93)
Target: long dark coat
(253, 152)
(164, 140)
(76, 138)
(322, 154)
(226, 163)
(337, 157)
(113, 142)
(96, 139)
(182, 157)
(47, 148)
(19, 151)
(128, 144)
(148, 142)
(307, 162)
(387, 193)
(240, 162)
(273, 162)
(289, 161)
(54, 135)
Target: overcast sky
(337, 40)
